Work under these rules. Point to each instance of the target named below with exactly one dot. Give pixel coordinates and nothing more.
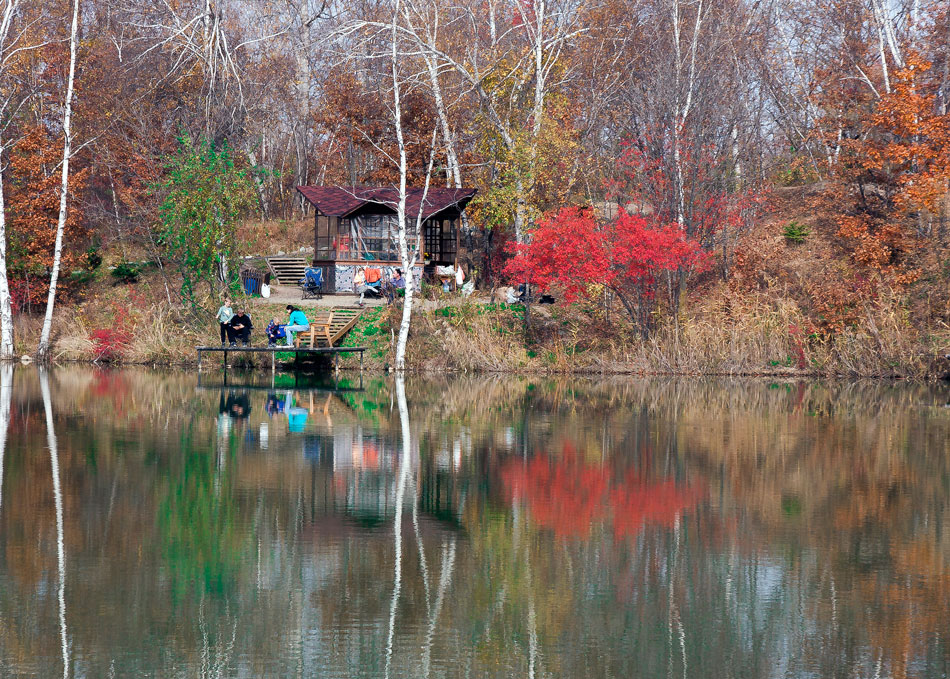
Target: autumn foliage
(575, 254)
(898, 171)
(32, 186)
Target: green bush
(93, 258)
(125, 272)
(796, 232)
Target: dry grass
(275, 235)
(756, 336)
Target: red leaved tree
(577, 255)
(718, 203)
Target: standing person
(359, 283)
(225, 314)
(297, 322)
(240, 328)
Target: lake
(152, 525)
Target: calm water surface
(498, 527)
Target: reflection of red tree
(638, 502)
(111, 385)
(568, 496)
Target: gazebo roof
(341, 201)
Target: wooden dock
(273, 351)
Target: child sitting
(275, 331)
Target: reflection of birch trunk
(6, 394)
(404, 464)
(58, 499)
(674, 619)
(533, 646)
(422, 555)
(445, 578)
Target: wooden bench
(319, 328)
(328, 325)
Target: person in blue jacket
(296, 323)
(275, 333)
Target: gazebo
(357, 226)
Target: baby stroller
(312, 283)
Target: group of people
(236, 327)
(370, 281)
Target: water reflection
(58, 504)
(490, 527)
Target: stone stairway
(287, 269)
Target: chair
(320, 327)
(311, 285)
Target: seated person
(275, 332)
(297, 322)
(240, 328)
(274, 404)
(396, 285)
(368, 281)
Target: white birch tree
(373, 34)
(523, 56)
(408, 253)
(42, 350)
(8, 48)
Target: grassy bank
(716, 334)
(717, 337)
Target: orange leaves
(916, 139)
(891, 182)
(33, 185)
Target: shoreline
(934, 377)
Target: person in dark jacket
(240, 328)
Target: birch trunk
(455, 173)
(401, 209)
(407, 255)
(258, 184)
(6, 308)
(42, 350)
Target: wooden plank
(328, 327)
(338, 334)
(268, 350)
